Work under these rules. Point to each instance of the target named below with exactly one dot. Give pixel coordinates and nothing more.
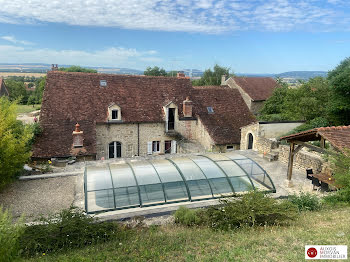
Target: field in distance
(6, 74)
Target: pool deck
(51, 193)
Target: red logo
(312, 252)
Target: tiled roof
(258, 88)
(230, 112)
(78, 97)
(3, 89)
(338, 136)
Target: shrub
(338, 197)
(188, 217)
(253, 209)
(9, 236)
(70, 228)
(341, 168)
(14, 143)
(305, 201)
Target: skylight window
(103, 83)
(210, 110)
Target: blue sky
(251, 36)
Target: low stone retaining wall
(302, 159)
(265, 145)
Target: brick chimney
(54, 67)
(78, 137)
(223, 80)
(180, 75)
(187, 107)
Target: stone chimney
(223, 80)
(78, 137)
(54, 67)
(187, 107)
(180, 75)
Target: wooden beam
(323, 142)
(315, 148)
(290, 161)
(297, 149)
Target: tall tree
(212, 77)
(155, 71)
(307, 102)
(17, 91)
(339, 79)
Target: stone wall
(276, 129)
(127, 135)
(265, 145)
(252, 129)
(303, 159)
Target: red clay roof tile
(71, 98)
(258, 88)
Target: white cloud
(114, 56)
(12, 39)
(208, 16)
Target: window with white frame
(155, 146)
(114, 112)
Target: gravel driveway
(42, 196)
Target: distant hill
(43, 68)
(303, 75)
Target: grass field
(6, 74)
(178, 243)
(22, 109)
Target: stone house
(254, 90)
(108, 116)
(3, 89)
(262, 136)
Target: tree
(339, 108)
(155, 71)
(17, 91)
(77, 69)
(14, 142)
(212, 77)
(307, 102)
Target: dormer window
(103, 83)
(114, 112)
(210, 110)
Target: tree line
(319, 101)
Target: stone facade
(303, 159)
(134, 138)
(245, 131)
(265, 134)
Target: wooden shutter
(173, 147)
(149, 148)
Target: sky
(248, 36)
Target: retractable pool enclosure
(140, 183)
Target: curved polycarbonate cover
(153, 182)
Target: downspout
(138, 139)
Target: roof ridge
(119, 75)
(329, 128)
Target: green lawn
(21, 109)
(178, 243)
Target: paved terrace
(45, 194)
